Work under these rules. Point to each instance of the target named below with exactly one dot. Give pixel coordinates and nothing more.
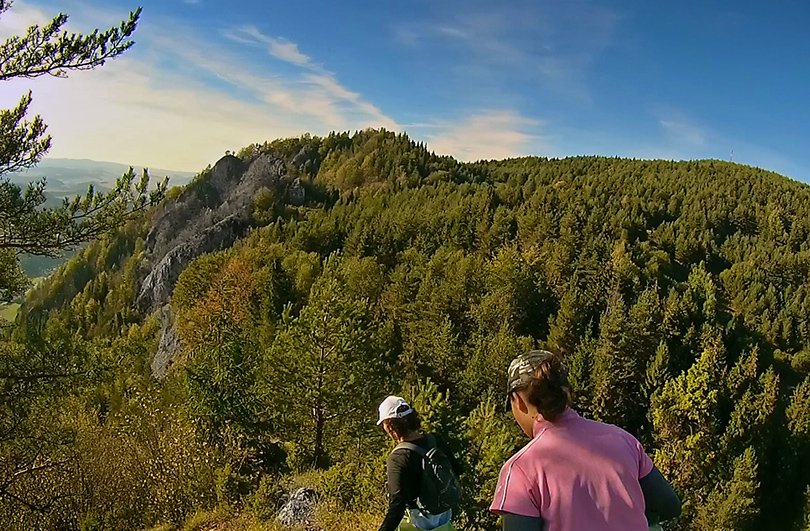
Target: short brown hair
(405, 425)
(549, 390)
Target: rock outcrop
(168, 346)
(209, 215)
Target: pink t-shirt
(577, 475)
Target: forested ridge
(677, 292)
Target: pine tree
(732, 505)
(325, 367)
(806, 510)
(221, 381)
(798, 412)
(489, 439)
(657, 371)
(25, 227)
(568, 325)
(614, 380)
(685, 417)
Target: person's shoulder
(604, 427)
(399, 456)
(622, 433)
(531, 452)
(617, 433)
(432, 440)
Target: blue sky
(474, 79)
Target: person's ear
(520, 403)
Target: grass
(328, 517)
(9, 311)
(326, 520)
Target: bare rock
(208, 215)
(299, 509)
(169, 345)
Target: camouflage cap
(521, 371)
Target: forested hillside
(235, 341)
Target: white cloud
(179, 101)
(551, 48)
(315, 77)
(493, 134)
(278, 47)
(19, 18)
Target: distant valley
(70, 177)
(67, 177)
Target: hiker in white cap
(423, 488)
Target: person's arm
(660, 501)
(515, 522)
(515, 500)
(659, 498)
(397, 495)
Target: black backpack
(440, 490)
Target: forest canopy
(677, 293)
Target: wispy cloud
(551, 48)
(278, 47)
(19, 18)
(488, 134)
(682, 131)
(322, 85)
(181, 100)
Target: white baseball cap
(393, 407)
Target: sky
(473, 79)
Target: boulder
(299, 509)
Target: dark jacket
(404, 470)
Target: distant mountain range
(70, 177)
(67, 177)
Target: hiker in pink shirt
(575, 474)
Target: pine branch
(49, 50)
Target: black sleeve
(661, 502)
(399, 490)
(515, 522)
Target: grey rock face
(158, 285)
(209, 215)
(299, 509)
(169, 344)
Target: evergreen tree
(806, 510)
(798, 412)
(326, 366)
(732, 505)
(26, 227)
(685, 417)
(489, 439)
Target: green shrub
(265, 501)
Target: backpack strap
(412, 447)
(423, 452)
